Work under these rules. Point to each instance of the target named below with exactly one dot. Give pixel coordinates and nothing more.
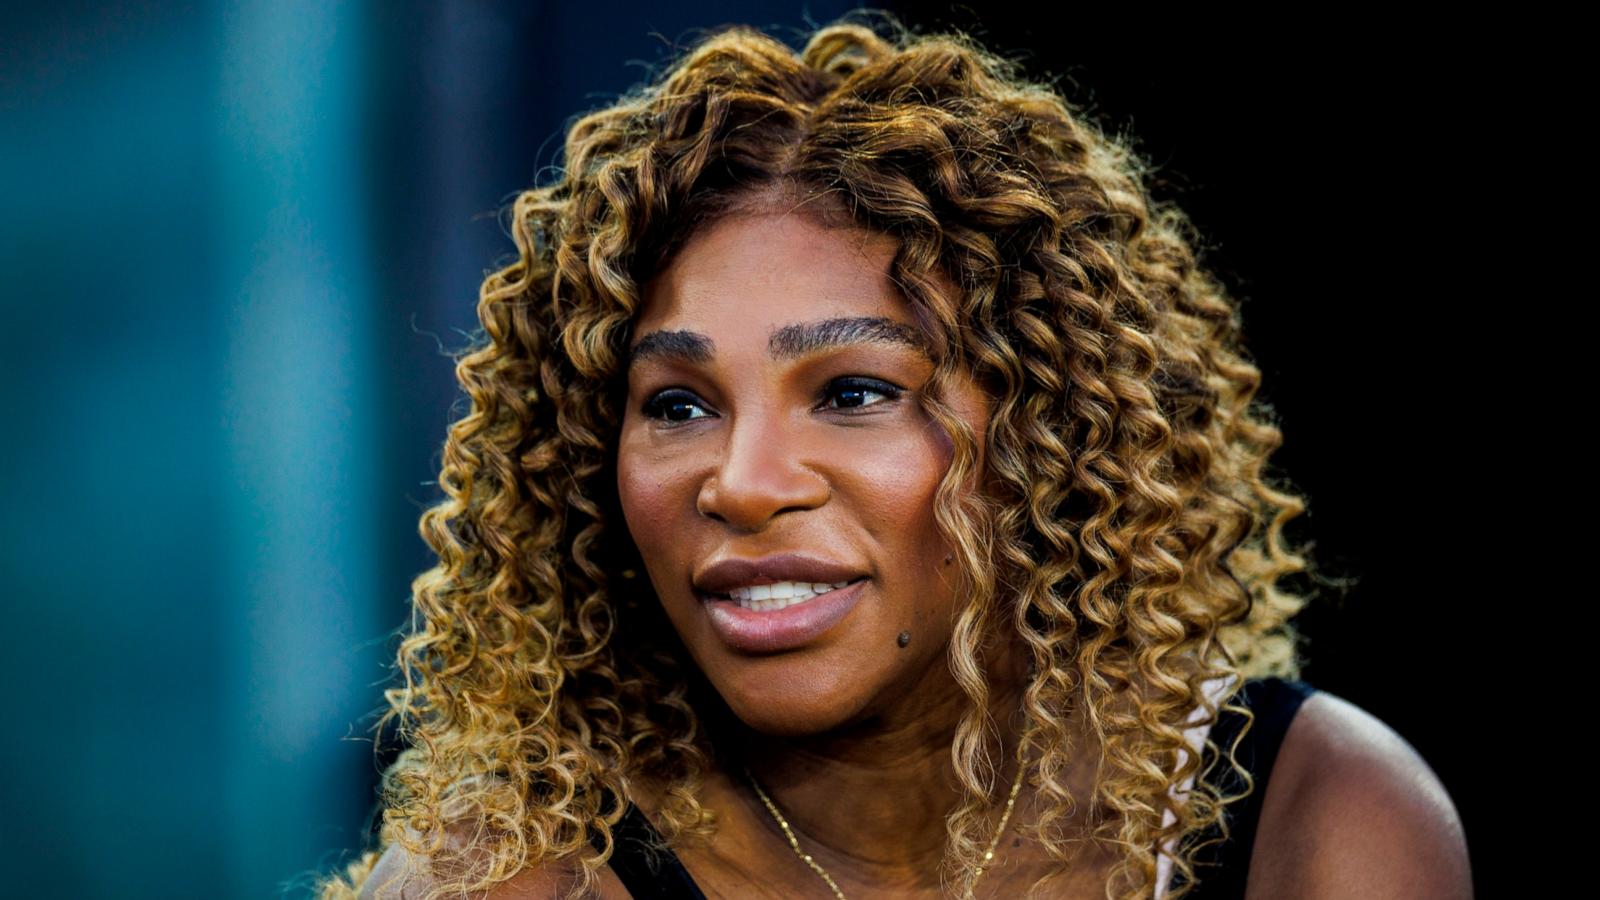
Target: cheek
(897, 485)
(897, 482)
(648, 500)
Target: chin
(784, 697)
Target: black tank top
(651, 871)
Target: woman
(862, 497)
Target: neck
(869, 800)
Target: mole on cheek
(904, 639)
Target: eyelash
(655, 407)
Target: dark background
(239, 238)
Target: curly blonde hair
(1129, 537)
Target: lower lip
(794, 626)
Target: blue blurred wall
(238, 240)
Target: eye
(856, 392)
(673, 406)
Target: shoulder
(1352, 810)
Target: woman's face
(773, 442)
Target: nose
(760, 475)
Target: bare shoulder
(400, 875)
(1352, 810)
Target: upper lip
(724, 575)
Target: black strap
(646, 867)
(1221, 869)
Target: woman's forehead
(761, 271)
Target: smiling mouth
(781, 595)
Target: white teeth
(773, 597)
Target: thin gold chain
(784, 824)
(988, 855)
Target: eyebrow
(787, 342)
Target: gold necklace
(988, 854)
